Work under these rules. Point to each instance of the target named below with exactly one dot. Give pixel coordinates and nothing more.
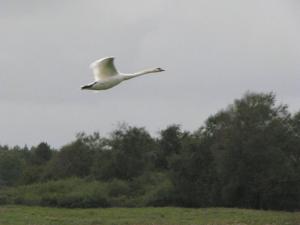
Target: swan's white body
(106, 75)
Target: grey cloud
(213, 51)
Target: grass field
(21, 215)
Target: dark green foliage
(170, 144)
(194, 176)
(247, 155)
(11, 165)
(129, 156)
(35, 161)
(250, 145)
(41, 154)
(74, 159)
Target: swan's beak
(161, 70)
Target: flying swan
(107, 76)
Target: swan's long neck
(140, 73)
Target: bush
(70, 193)
(151, 189)
(161, 195)
(118, 188)
(4, 200)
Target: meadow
(25, 215)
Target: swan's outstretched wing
(104, 68)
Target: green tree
(42, 153)
(74, 159)
(193, 175)
(250, 141)
(11, 166)
(132, 150)
(170, 144)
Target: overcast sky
(213, 52)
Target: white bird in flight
(107, 76)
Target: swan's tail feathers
(88, 86)
(85, 87)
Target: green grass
(21, 215)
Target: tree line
(246, 155)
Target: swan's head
(158, 70)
